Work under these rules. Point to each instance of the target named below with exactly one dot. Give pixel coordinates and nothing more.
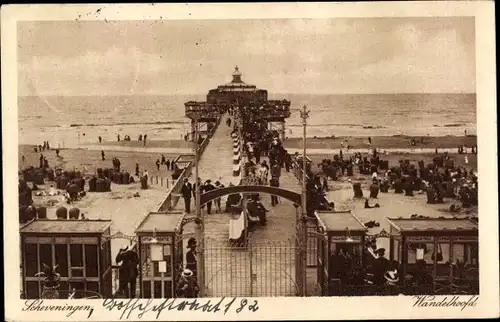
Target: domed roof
(237, 84)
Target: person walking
(186, 192)
(102, 155)
(158, 164)
(208, 187)
(218, 185)
(191, 256)
(168, 164)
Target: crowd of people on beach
(142, 138)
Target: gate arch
(284, 193)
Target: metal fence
(312, 243)
(162, 181)
(258, 269)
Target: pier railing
(173, 195)
(298, 169)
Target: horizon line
(269, 94)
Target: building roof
(433, 224)
(339, 221)
(63, 226)
(160, 222)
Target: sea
(70, 121)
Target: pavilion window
(76, 260)
(45, 255)
(397, 250)
(91, 263)
(31, 259)
(61, 256)
(420, 251)
(443, 260)
(471, 254)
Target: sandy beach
(91, 160)
(315, 146)
(384, 142)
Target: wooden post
(162, 181)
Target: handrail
(167, 203)
(297, 169)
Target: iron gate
(257, 269)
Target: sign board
(159, 240)
(162, 266)
(420, 254)
(156, 252)
(343, 239)
(420, 239)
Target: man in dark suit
(208, 186)
(128, 271)
(186, 192)
(381, 265)
(198, 182)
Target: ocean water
(68, 121)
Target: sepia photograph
(332, 157)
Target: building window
(91, 262)
(61, 255)
(31, 259)
(45, 255)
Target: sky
(302, 56)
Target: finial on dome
(237, 75)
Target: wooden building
(78, 247)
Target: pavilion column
(282, 131)
(192, 130)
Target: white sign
(162, 267)
(420, 253)
(156, 252)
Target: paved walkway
(216, 163)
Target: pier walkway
(216, 163)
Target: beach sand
(91, 159)
(392, 205)
(383, 142)
(318, 146)
(394, 158)
(119, 205)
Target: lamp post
(304, 114)
(199, 219)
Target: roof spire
(237, 75)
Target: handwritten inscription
(38, 306)
(445, 301)
(141, 307)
